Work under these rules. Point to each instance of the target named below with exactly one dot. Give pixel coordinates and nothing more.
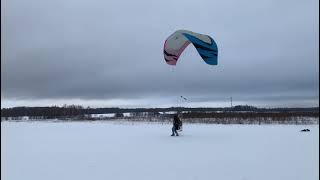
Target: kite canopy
(179, 40)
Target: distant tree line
(280, 117)
(48, 112)
(236, 111)
(247, 115)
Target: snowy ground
(146, 151)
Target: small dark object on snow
(304, 130)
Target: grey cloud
(111, 49)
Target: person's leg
(172, 131)
(175, 130)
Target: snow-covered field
(146, 151)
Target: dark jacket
(177, 123)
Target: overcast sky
(106, 53)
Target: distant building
(100, 116)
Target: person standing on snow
(177, 124)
